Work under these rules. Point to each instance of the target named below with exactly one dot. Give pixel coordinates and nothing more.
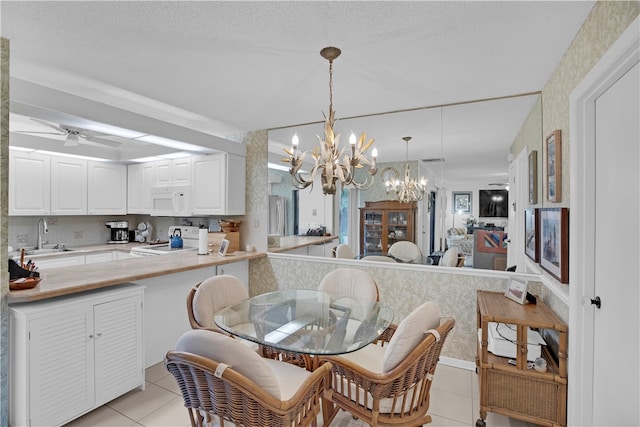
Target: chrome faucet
(45, 229)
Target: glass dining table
(306, 322)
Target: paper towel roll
(203, 241)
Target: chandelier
(332, 162)
(409, 189)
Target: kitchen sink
(46, 251)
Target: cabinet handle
(99, 334)
(91, 336)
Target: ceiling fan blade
(101, 141)
(35, 132)
(51, 125)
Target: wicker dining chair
(212, 295)
(220, 378)
(406, 251)
(217, 292)
(388, 383)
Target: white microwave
(171, 200)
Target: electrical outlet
(314, 212)
(23, 238)
(78, 235)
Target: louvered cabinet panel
(61, 366)
(69, 355)
(118, 345)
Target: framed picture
(517, 291)
(224, 246)
(533, 177)
(553, 146)
(461, 202)
(531, 229)
(554, 242)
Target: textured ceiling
(225, 67)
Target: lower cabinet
(73, 354)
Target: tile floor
(454, 402)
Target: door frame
(621, 57)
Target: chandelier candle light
(409, 189)
(332, 162)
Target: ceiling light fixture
(331, 162)
(408, 189)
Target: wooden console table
(517, 391)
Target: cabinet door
(238, 269)
(373, 230)
(68, 186)
(107, 189)
(118, 347)
(181, 171)
(60, 261)
(29, 183)
(134, 188)
(61, 363)
(148, 181)
(209, 189)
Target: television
(493, 203)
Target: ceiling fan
(75, 135)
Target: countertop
(69, 280)
(288, 243)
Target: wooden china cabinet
(383, 223)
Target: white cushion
(224, 349)
(288, 376)
(409, 334)
(214, 294)
(406, 251)
(344, 251)
(356, 284)
(450, 258)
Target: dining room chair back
(359, 289)
(211, 295)
(379, 258)
(405, 251)
(222, 381)
(344, 251)
(388, 383)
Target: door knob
(597, 302)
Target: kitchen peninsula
(306, 245)
(66, 281)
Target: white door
(616, 267)
(604, 377)
(518, 196)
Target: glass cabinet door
(373, 228)
(397, 227)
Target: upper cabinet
(68, 186)
(107, 188)
(29, 183)
(218, 184)
(141, 177)
(173, 172)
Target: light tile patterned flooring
(454, 402)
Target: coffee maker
(119, 231)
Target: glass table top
(306, 321)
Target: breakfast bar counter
(288, 243)
(70, 280)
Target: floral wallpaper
(402, 287)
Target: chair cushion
(224, 349)
(409, 334)
(406, 251)
(214, 294)
(288, 376)
(450, 258)
(344, 251)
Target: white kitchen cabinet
(173, 172)
(70, 355)
(68, 186)
(59, 262)
(29, 183)
(140, 179)
(238, 269)
(218, 184)
(107, 188)
(321, 249)
(98, 257)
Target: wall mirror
(473, 138)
